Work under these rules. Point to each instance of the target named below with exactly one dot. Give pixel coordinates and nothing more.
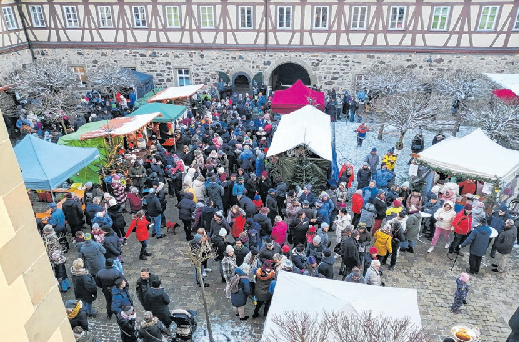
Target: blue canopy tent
(144, 83)
(46, 165)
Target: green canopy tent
(144, 100)
(169, 112)
(91, 172)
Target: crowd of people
(256, 225)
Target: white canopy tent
(507, 81)
(294, 292)
(172, 93)
(474, 154)
(308, 126)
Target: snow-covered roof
(475, 154)
(295, 292)
(308, 126)
(507, 81)
(172, 93)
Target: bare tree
(197, 255)
(110, 78)
(462, 87)
(297, 327)
(382, 81)
(48, 86)
(412, 110)
(7, 105)
(344, 327)
(498, 119)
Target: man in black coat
(112, 244)
(73, 213)
(77, 316)
(105, 279)
(349, 252)
(363, 176)
(157, 301)
(144, 284)
(186, 208)
(272, 204)
(504, 244)
(265, 223)
(247, 205)
(217, 224)
(154, 210)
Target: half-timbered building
(329, 42)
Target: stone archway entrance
(241, 84)
(286, 74)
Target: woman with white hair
(85, 288)
(373, 275)
(152, 330)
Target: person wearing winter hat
(264, 276)
(372, 159)
(462, 225)
(498, 222)
(460, 296)
(229, 263)
(152, 327)
(355, 277)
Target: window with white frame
(207, 16)
(396, 21)
(71, 18)
(245, 17)
(321, 17)
(173, 16)
(80, 75)
(139, 16)
(10, 20)
(37, 16)
(105, 16)
(488, 17)
(516, 25)
(284, 17)
(359, 17)
(183, 77)
(440, 18)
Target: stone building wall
(327, 69)
(32, 308)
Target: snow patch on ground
(347, 150)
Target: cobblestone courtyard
(491, 300)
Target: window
(245, 17)
(516, 25)
(80, 73)
(321, 17)
(37, 16)
(359, 82)
(440, 17)
(10, 20)
(358, 17)
(488, 17)
(183, 77)
(71, 16)
(206, 16)
(396, 21)
(139, 16)
(284, 17)
(172, 16)
(105, 16)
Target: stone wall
(32, 308)
(327, 69)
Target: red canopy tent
(506, 95)
(296, 97)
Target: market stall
(174, 93)
(301, 149)
(296, 97)
(477, 157)
(45, 166)
(107, 137)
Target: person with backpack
(240, 291)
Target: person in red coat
(279, 231)
(462, 224)
(357, 203)
(140, 224)
(346, 175)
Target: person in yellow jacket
(390, 159)
(383, 242)
(394, 209)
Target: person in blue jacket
(383, 176)
(120, 296)
(478, 241)
(498, 221)
(57, 221)
(132, 97)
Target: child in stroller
(186, 324)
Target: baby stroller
(186, 324)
